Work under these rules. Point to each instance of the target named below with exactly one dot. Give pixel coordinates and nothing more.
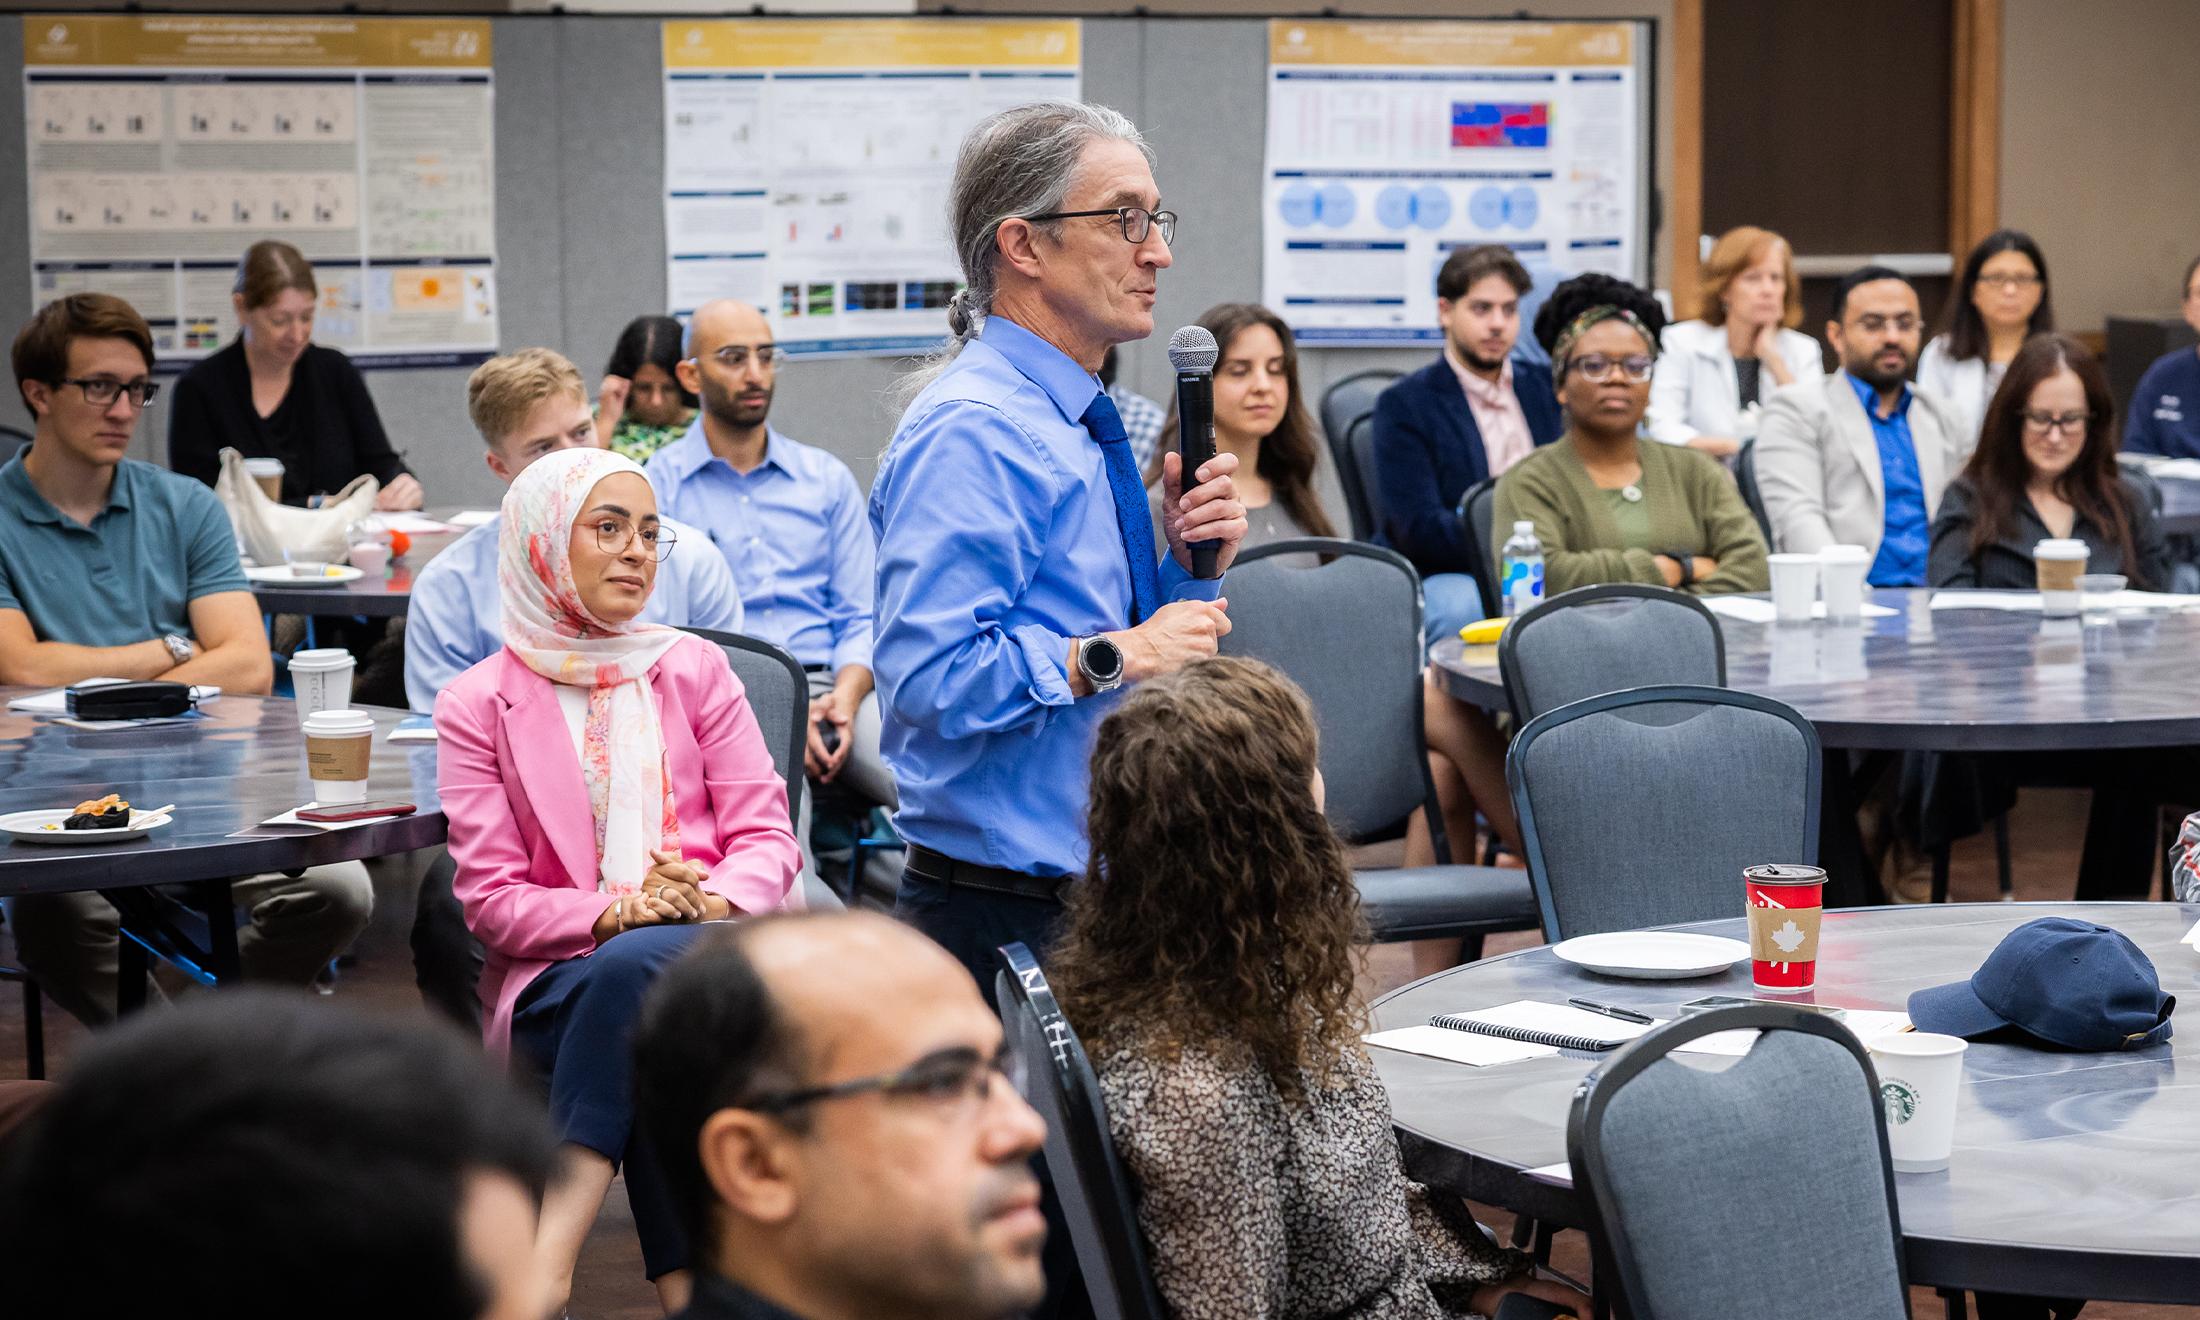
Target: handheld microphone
(1192, 351)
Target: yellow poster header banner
(871, 43)
(187, 41)
(1476, 45)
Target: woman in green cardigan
(1608, 505)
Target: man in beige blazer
(1861, 456)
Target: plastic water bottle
(1521, 585)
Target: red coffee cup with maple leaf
(1785, 903)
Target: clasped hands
(671, 893)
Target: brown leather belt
(941, 869)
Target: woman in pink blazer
(608, 792)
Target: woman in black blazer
(273, 393)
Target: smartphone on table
(1709, 1002)
(338, 812)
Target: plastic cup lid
(339, 723)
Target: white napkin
(1752, 609)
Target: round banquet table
(2073, 1174)
(1948, 680)
(240, 765)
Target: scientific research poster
(807, 164)
(161, 147)
(1391, 143)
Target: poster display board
(807, 164)
(161, 147)
(1391, 143)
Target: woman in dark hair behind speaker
(641, 406)
(1606, 506)
(1207, 957)
(1261, 416)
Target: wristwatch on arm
(1101, 662)
(179, 648)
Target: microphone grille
(1193, 349)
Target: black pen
(1623, 1014)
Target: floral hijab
(551, 631)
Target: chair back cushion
(1479, 508)
(1353, 398)
(1081, 1160)
(1643, 808)
(1759, 1189)
(1356, 473)
(1607, 639)
(1349, 633)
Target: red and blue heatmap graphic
(1500, 124)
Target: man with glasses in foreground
(114, 568)
(1861, 457)
(834, 1114)
(788, 518)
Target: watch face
(1100, 659)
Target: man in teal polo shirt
(115, 568)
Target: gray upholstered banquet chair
(1478, 509)
(1699, 1181)
(1641, 808)
(1607, 638)
(779, 695)
(1349, 633)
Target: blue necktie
(1131, 514)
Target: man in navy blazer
(1470, 414)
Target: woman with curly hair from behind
(1207, 960)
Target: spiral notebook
(1538, 1023)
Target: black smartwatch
(1687, 560)
(1101, 662)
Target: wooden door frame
(1974, 139)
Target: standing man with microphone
(1017, 585)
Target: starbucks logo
(1900, 1099)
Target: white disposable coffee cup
(1794, 587)
(1919, 1073)
(339, 746)
(321, 680)
(1841, 571)
(2059, 564)
(269, 473)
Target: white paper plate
(279, 575)
(45, 827)
(1652, 955)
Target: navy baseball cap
(2069, 983)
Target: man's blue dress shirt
(1908, 531)
(791, 530)
(998, 543)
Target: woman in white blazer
(1716, 371)
(2000, 302)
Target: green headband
(1562, 349)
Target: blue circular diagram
(1337, 206)
(1486, 207)
(1520, 207)
(1297, 205)
(1394, 207)
(1431, 207)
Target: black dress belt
(939, 868)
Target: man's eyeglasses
(1137, 221)
(736, 356)
(1596, 366)
(101, 391)
(1872, 323)
(2012, 283)
(614, 535)
(2070, 423)
(953, 1078)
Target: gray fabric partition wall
(579, 166)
